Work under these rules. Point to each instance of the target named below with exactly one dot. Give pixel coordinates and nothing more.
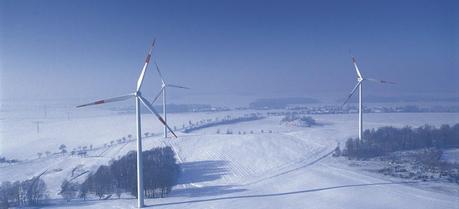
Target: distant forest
(381, 99)
(177, 108)
(280, 103)
(299, 120)
(381, 141)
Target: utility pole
(38, 126)
(45, 111)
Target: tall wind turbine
(164, 86)
(360, 80)
(138, 98)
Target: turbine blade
(177, 86)
(352, 92)
(380, 81)
(152, 110)
(356, 67)
(158, 95)
(113, 99)
(147, 60)
(159, 72)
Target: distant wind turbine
(164, 86)
(138, 98)
(360, 80)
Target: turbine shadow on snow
(202, 171)
(283, 193)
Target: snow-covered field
(451, 155)
(288, 168)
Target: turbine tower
(360, 80)
(164, 86)
(138, 99)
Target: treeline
(378, 142)
(299, 120)
(9, 161)
(225, 121)
(160, 171)
(30, 192)
(178, 108)
(280, 103)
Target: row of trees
(225, 121)
(9, 161)
(30, 192)
(160, 175)
(280, 103)
(230, 131)
(377, 142)
(82, 151)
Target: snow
(451, 155)
(289, 168)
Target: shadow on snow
(217, 190)
(204, 191)
(281, 194)
(202, 171)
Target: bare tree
(63, 149)
(68, 190)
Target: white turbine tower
(164, 86)
(138, 98)
(360, 80)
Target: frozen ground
(451, 155)
(289, 168)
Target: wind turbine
(138, 98)
(360, 80)
(164, 86)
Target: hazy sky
(92, 49)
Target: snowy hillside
(288, 167)
(451, 155)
